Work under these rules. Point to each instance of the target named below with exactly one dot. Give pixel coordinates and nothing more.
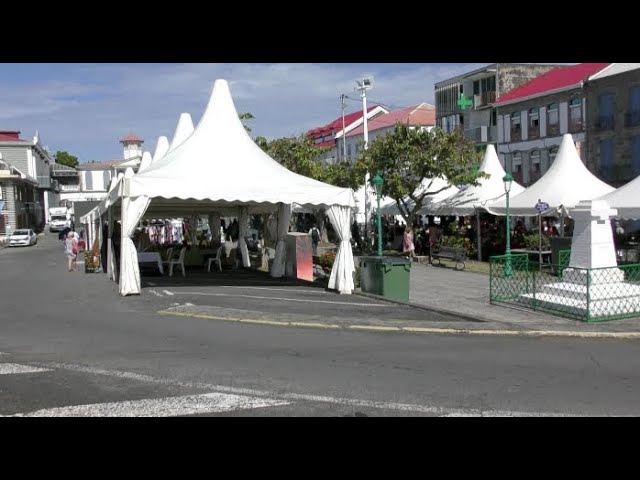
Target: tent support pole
(479, 235)
(562, 224)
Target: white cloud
(85, 109)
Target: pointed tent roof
(220, 162)
(145, 162)
(567, 182)
(436, 184)
(477, 196)
(184, 129)
(162, 147)
(626, 200)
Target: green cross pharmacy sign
(464, 102)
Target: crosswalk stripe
(160, 407)
(16, 368)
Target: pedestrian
(71, 251)
(315, 239)
(408, 247)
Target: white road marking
(305, 290)
(16, 368)
(282, 299)
(292, 397)
(167, 292)
(155, 293)
(160, 407)
(151, 284)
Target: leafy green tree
(64, 158)
(299, 155)
(407, 156)
(246, 116)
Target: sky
(85, 109)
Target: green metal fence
(563, 259)
(590, 295)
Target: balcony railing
(605, 122)
(576, 125)
(516, 135)
(483, 99)
(533, 131)
(69, 188)
(553, 130)
(632, 119)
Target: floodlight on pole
(363, 85)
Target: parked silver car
(22, 237)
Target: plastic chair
(216, 259)
(178, 261)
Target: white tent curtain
(131, 213)
(243, 220)
(284, 217)
(341, 278)
(111, 261)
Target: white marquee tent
(626, 200)
(437, 188)
(567, 182)
(472, 197)
(183, 130)
(219, 168)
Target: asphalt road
(69, 346)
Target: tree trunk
(321, 216)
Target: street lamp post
(377, 183)
(364, 85)
(508, 179)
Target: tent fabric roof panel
(626, 200)
(221, 162)
(490, 189)
(567, 182)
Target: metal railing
(589, 295)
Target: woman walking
(408, 247)
(71, 251)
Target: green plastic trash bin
(558, 244)
(386, 276)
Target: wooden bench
(452, 253)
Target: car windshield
(21, 232)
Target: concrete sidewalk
(464, 293)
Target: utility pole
(363, 86)
(344, 139)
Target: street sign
(542, 206)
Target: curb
(462, 316)
(414, 330)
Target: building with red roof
(422, 115)
(466, 102)
(532, 118)
(328, 135)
